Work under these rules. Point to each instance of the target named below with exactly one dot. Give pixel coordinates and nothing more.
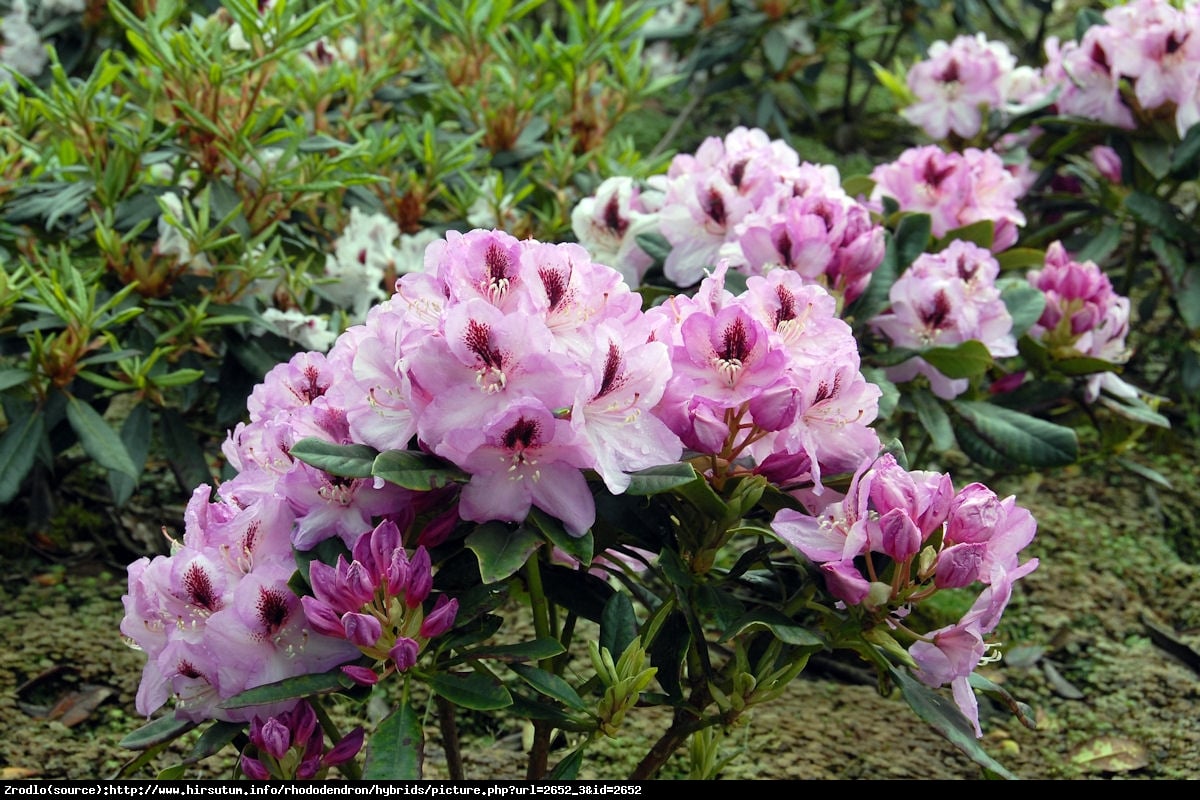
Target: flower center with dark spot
(200, 589)
(272, 610)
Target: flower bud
(404, 653)
(441, 619)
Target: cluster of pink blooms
(1084, 316)
(771, 375)
(746, 199)
(291, 746)
(936, 538)
(944, 299)
(1144, 60)
(960, 83)
(955, 189)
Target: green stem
(539, 751)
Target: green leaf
(550, 685)
(657, 480)
(1135, 408)
(654, 245)
(213, 740)
(1148, 473)
(1159, 215)
(182, 449)
(416, 471)
(18, 447)
(471, 690)
(1025, 303)
(290, 689)
(159, 731)
(532, 650)
(346, 460)
(98, 438)
(501, 551)
(578, 547)
(396, 750)
(1021, 258)
(618, 623)
(1185, 160)
(1001, 438)
(136, 433)
(667, 651)
(568, 768)
(1100, 246)
(780, 625)
(933, 417)
(965, 360)
(13, 377)
(981, 233)
(911, 239)
(945, 718)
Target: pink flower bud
(254, 769)
(363, 676)
(958, 565)
(901, 539)
(1107, 162)
(974, 514)
(362, 630)
(404, 653)
(845, 582)
(275, 738)
(345, 749)
(420, 578)
(440, 619)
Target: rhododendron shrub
(512, 424)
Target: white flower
(308, 331)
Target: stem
(450, 742)
(684, 723)
(539, 751)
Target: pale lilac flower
(1088, 85)
(309, 331)
(956, 84)
(608, 222)
(364, 254)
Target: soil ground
(1102, 642)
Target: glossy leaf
(214, 739)
(657, 480)
(471, 690)
(578, 547)
(550, 685)
(290, 689)
(981, 233)
(911, 239)
(18, 446)
(945, 718)
(933, 417)
(416, 471)
(532, 650)
(1001, 438)
(136, 433)
(618, 623)
(782, 627)
(345, 460)
(501, 550)
(1025, 304)
(396, 750)
(159, 731)
(965, 360)
(98, 439)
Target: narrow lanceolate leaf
(290, 689)
(945, 718)
(473, 691)
(532, 650)
(98, 438)
(160, 731)
(396, 751)
(550, 685)
(501, 552)
(784, 629)
(1001, 438)
(213, 740)
(966, 360)
(416, 471)
(18, 445)
(345, 460)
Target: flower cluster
(771, 376)
(944, 299)
(746, 199)
(955, 189)
(291, 746)
(1083, 316)
(897, 537)
(961, 82)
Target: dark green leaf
(945, 718)
(1021, 711)
(532, 650)
(1001, 438)
(290, 689)
(471, 690)
(781, 626)
(550, 685)
(667, 651)
(159, 731)
(1148, 473)
(18, 447)
(1021, 258)
(578, 547)
(1135, 409)
(1185, 160)
(656, 480)
(911, 239)
(345, 460)
(618, 623)
(965, 360)
(182, 449)
(98, 438)
(213, 740)
(934, 419)
(568, 768)
(396, 750)
(13, 377)
(654, 245)
(1025, 303)
(700, 494)
(1102, 245)
(1159, 215)
(136, 433)
(501, 550)
(416, 471)
(575, 590)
